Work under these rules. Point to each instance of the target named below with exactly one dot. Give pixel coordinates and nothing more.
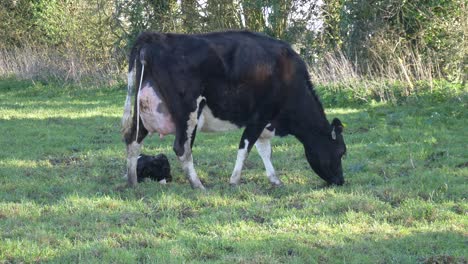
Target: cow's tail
(127, 114)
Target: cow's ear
(336, 123)
(337, 128)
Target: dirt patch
(186, 212)
(358, 130)
(254, 218)
(295, 204)
(433, 159)
(67, 161)
(444, 259)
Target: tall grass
(338, 79)
(386, 79)
(48, 64)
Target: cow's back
(258, 76)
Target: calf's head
(324, 153)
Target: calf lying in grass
(156, 168)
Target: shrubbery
(365, 50)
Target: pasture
(63, 199)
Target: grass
(63, 199)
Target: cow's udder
(154, 112)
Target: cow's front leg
(249, 137)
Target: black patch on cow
(162, 108)
(156, 168)
(200, 107)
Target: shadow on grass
(58, 105)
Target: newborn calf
(156, 168)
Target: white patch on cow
(138, 102)
(193, 118)
(133, 153)
(127, 115)
(263, 146)
(267, 134)
(131, 77)
(163, 181)
(241, 156)
(209, 123)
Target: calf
(156, 168)
(221, 81)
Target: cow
(221, 81)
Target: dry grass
(48, 64)
(385, 79)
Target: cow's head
(325, 152)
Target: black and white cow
(221, 81)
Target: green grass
(63, 199)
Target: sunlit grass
(63, 199)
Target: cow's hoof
(131, 185)
(277, 184)
(199, 186)
(234, 182)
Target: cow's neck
(309, 119)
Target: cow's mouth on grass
(333, 175)
(331, 178)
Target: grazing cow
(156, 168)
(221, 81)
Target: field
(63, 199)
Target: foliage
(386, 41)
(78, 29)
(374, 32)
(364, 91)
(16, 22)
(63, 199)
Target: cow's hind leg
(187, 165)
(183, 147)
(263, 146)
(249, 137)
(133, 151)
